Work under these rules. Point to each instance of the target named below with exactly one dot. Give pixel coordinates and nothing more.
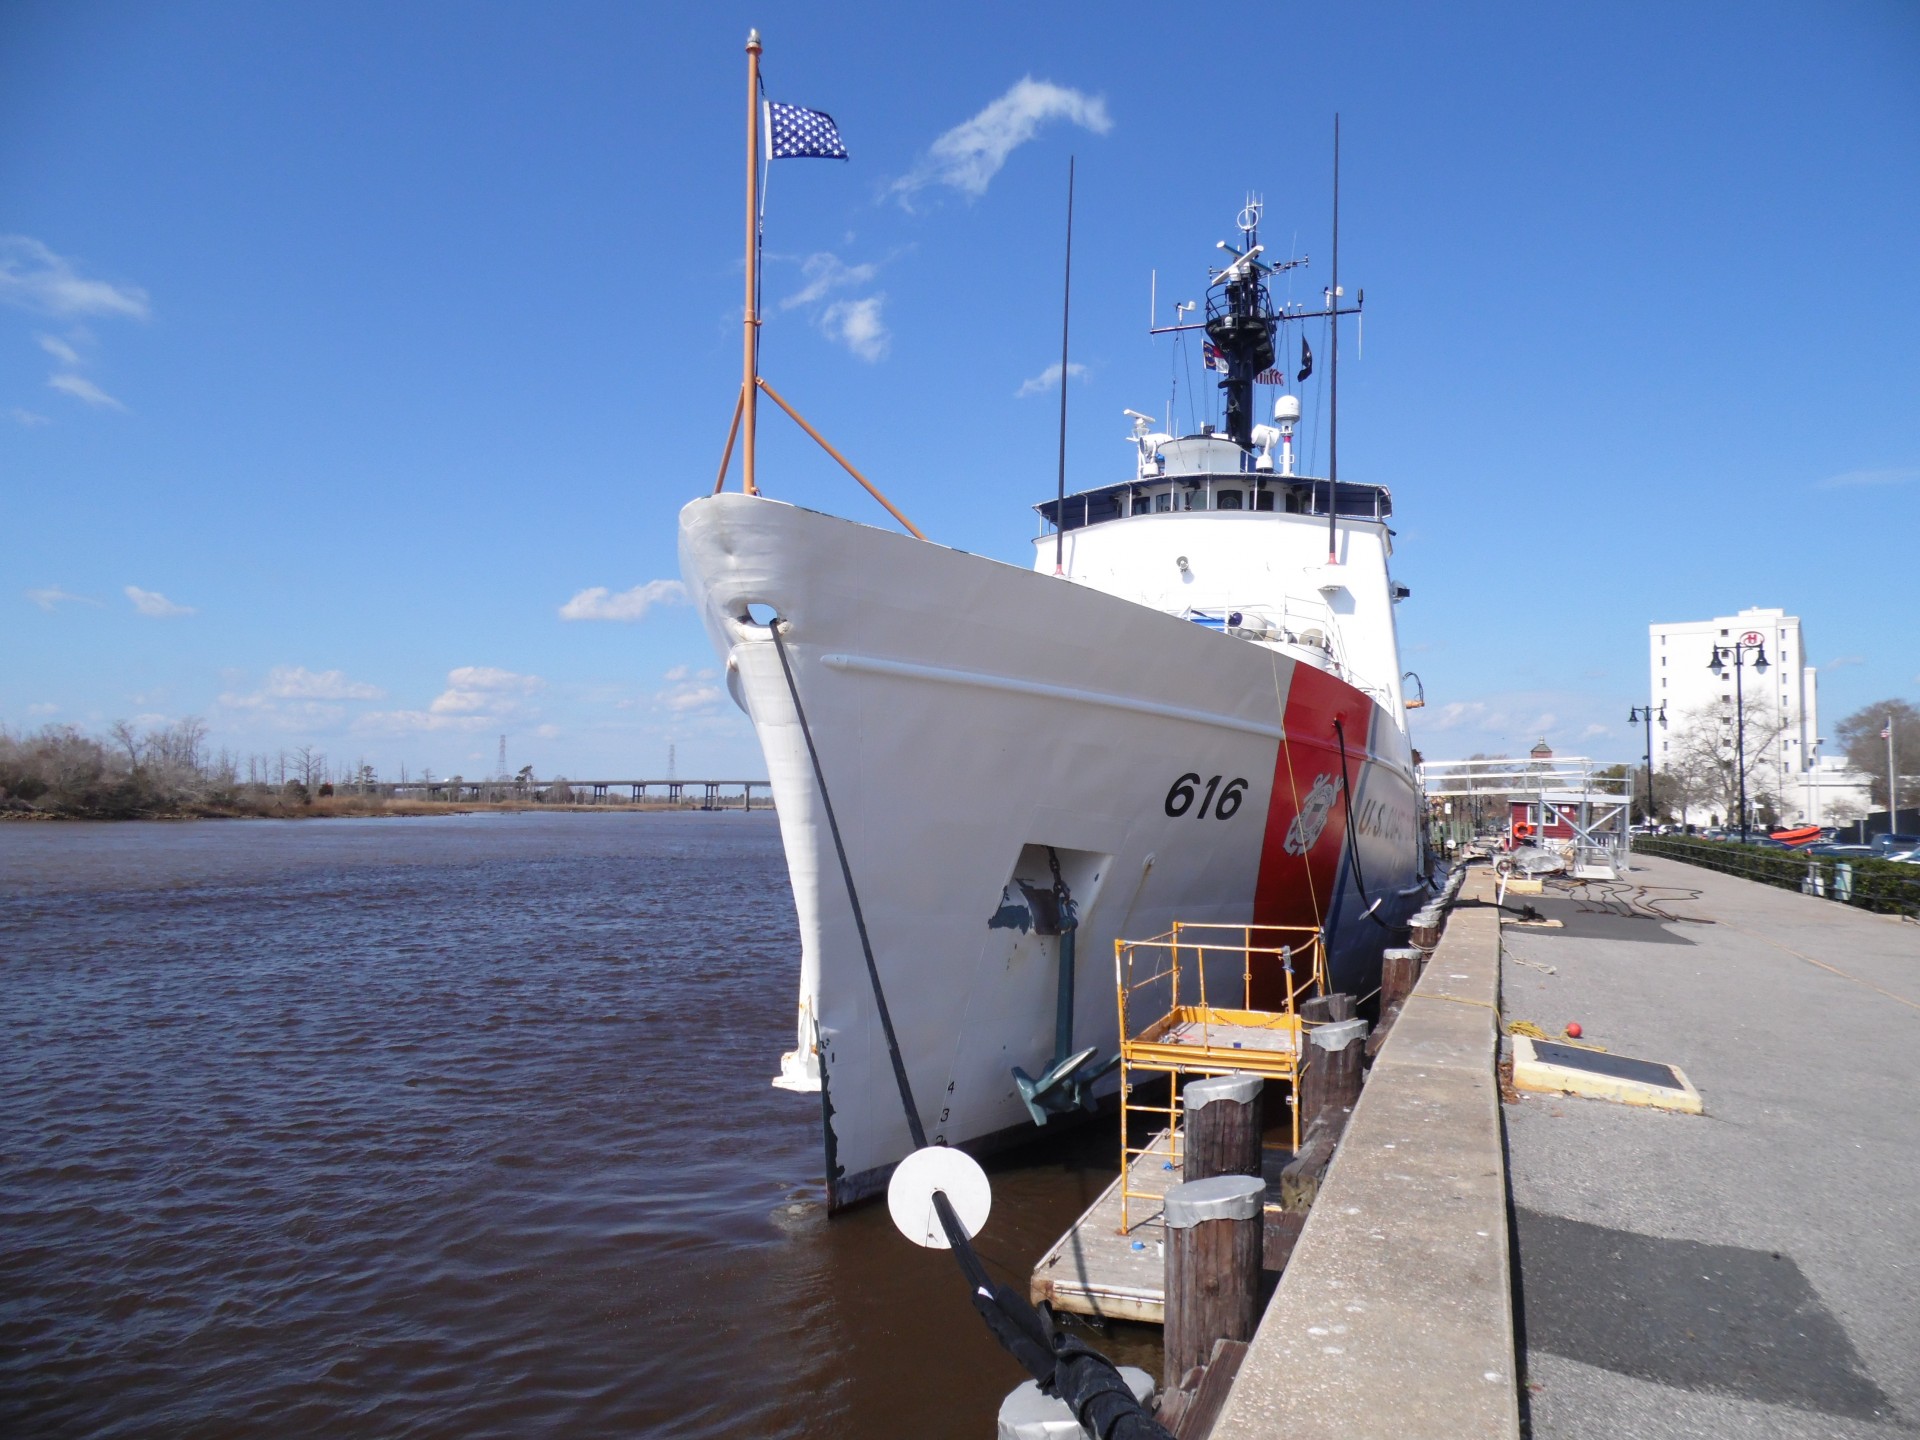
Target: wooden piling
(1399, 972)
(1330, 1085)
(1222, 1126)
(1213, 1243)
(1426, 928)
(1323, 1008)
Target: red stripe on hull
(1301, 852)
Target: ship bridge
(1209, 472)
(1214, 533)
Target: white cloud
(475, 689)
(392, 722)
(43, 707)
(692, 697)
(825, 272)
(1593, 730)
(53, 596)
(152, 602)
(858, 326)
(968, 156)
(678, 672)
(1840, 662)
(34, 278)
(296, 682)
(1898, 475)
(82, 388)
(29, 418)
(600, 603)
(60, 350)
(1048, 378)
(1456, 713)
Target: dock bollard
(1331, 1081)
(1026, 1414)
(1213, 1267)
(1426, 928)
(1399, 973)
(1221, 1130)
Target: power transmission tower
(672, 772)
(501, 770)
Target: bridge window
(1162, 503)
(1264, 500)
(1226, 500)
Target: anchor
(1067, 1084)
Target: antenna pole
(1066, 310)
(1333, 369)
(750, 363)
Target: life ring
(1522, 829)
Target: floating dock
(1097, 1267)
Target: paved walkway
(1752, 1272)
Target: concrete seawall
(1395, 1314)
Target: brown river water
(451, 1126)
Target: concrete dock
(1754, 1271)
(1394, 1316)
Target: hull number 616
(1181, 797)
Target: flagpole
(750, 365)
(1893, 793)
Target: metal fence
(1890, 887)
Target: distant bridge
(696, 794)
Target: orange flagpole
(751, 363)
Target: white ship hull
(967, 716)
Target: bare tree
(1859, 737)
(311, 767)
(1708, 758)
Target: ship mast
(1333, 369)
(1240, 323)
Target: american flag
(1887, 734)
(797, 133)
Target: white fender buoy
(938, 1167)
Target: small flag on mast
(1210, 356)
(1306, 361)
(1887, 734)
(797, 133)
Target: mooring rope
(1346, 794)
(1064, 1366)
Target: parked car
(1843, 852)
(1892, 844)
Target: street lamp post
(1644, 714)
(1751, 641)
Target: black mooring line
(914, 1127)
(1353, 848)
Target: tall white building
(1784, 695)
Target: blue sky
(343, 346)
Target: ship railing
(1178, 1020)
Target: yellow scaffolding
(1168, 1025)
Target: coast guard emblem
(1312, 819)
